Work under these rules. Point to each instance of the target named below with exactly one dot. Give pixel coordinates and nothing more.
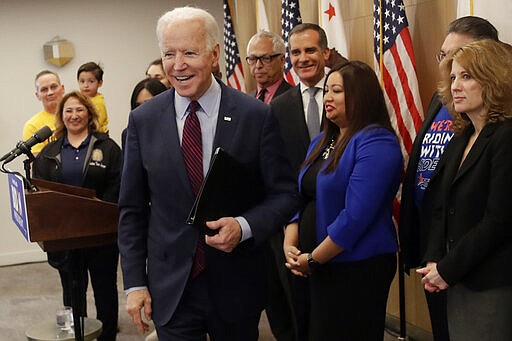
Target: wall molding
(19, 257)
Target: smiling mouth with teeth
(183, 78)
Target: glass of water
(64, 318)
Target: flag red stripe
(289, 78)
(393, 98)
(406, 38)
(404, 81)
(415, 114)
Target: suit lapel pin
(227, 118)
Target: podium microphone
(23, 147)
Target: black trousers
(300, 287)
(437, 310)
(195, 317)
(279, 306)
(348, 300)
(101, 264)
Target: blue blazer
(157, 247)
(355, 203)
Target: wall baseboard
(27, 256)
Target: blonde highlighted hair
(490, 65)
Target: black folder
(228, 190)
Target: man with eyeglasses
(49, 91)
(266, 58)
(432, 137)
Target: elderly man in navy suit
(189, 283)
(266, 59)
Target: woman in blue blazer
(467, 202)
(344, 239)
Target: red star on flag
(331, 12)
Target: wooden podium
(63, 217)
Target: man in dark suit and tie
(188, 283)
(298, 111)
(266, 58)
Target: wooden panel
(66, 217)
(76, 243)
(416, 310)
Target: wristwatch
(313, 264)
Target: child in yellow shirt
(90, 78)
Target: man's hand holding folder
(228, 190)
(228, 236)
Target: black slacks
(279, 307)
(195, 317)
(348, 300)
(436, 302)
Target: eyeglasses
(265, 59)
(440, 56)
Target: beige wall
(120, 34)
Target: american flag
(290, 17)
(396, 67)
(234, 69)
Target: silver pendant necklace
(328, 149)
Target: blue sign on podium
(18, 204)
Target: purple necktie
(192, 150)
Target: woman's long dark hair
(364, 106)
(154, 86)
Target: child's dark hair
(92, 67)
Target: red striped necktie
(192, 150)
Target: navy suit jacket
(289, 111)
(156, 198)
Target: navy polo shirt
(72, 161)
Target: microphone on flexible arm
(23, 147)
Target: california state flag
(498, 13)
(261, 16)
(331, 21)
